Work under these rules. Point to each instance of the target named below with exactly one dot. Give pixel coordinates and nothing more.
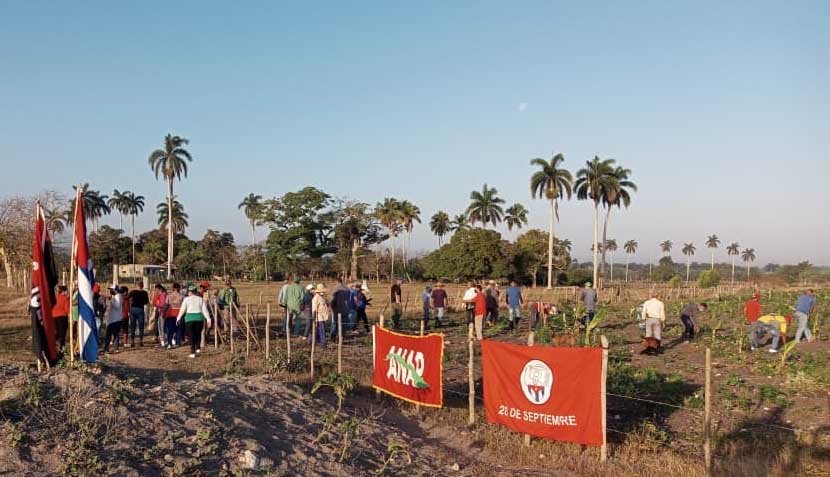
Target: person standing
(228, 302)
(360, 304)
(687, 316)
(125, 314)
(305, 312)
(588, 298)
(339, 306)
(426, 298)
(654, 312)
(352, 319)
(114, 319)
(194, 313)
(804, 306)
(320, 313)
(439, 303)
(480, 310)
(752, 308)
(515, 300)
(60, 314)
(160, 306)
(294, 305)
(138, 299)
(174, 303)
(397, 303)
(469, 298)
(491, 295)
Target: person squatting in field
(194, 314)
(688, 315)
(773, 325)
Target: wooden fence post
(381, 322)
(267, 331)
(471, 383)
(531, 338)
(603, 455)
(707, 417)
(288, 334)
(215, 326)
(234, 313)
(247, 330)
(313, 341)
(339, 343)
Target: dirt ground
(769, 418)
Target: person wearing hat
(360, 304)
(588, 298)
(194, 313)
(305, 312)
(439, 303)
(752, 308)
(320, 313)
(228, 302)
(114, 318)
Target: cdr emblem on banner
(409, 367)
(554, 393)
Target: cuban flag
(87, 330)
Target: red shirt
(752, 310)
(61, 307)
(481, 304)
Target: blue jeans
(321, 333)
(170, 330)
(297, 319)
(425, 319)
(137, 319)
(758, 331)
(350, 321)
(803, 326)
(334, 320)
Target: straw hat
(320, 288)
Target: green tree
(473, 253)
(553, 183)
(712, 242)
(108, 246)
(55, 221)
(485, 207)
(251, 205)
(733, 250)
(440, 225)
(665, 269)
(357, 229)
(532, 253)
(616, 193)
(95, 205)
(177, 215)
(666, 246)
(591, 182)
(170, 162)
(133, 205)
(515, 216)
(460, 222)
(689, 251)
(630, 248)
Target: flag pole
(73, 256)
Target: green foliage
(665, 270)
(708, 279)
(473, 253)
(532, 253)
(676, 281)
(599, 317)
(794, 273)
(340, 384)
(770, 394)
(109, 246)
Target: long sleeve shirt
(319, 308)
(654, 308)
(192, 306)
(61, 307)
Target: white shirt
(654, 308)
(193, 304)
(114, 315)
(470, 294)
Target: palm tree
(252, 207)
(440, 225)
(515, 216)
(591, 181)
(118, 202)
(175, 220)
(410, 213)
(388, 213)
(748, 255)
(713, 242)
(134, 206)
(688, 251)
(630, 248)
(171, 163)
(55, 221)
(618, 192)
(95, 205)
(733, 250)
(485, 207)
(666, 246)
(553, 183)
(460, 222)
(610, 246)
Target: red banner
(554, 393)
(409, 367)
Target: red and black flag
(44, 281)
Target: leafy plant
(340, 384)
(599, 317)
(785, 351)
(394, 449)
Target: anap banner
(409, 367)
(553, 393)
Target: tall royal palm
(553, 183)
(666, 246)
(712, 242)
(440, 225)
(515, 216)
(95, 205)
(251, 205)
(610, 246)
(748, 256)
(134, 206)
(591, 182)
(617, 193)
(410, 213)
(460, 222)
(689, 251)
(55, 221)
(485, 207)
(630, 248)
(170, 163)
(389, 215)
(172, 219)
(118, 203)
(733, 250)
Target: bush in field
(473, 253)
(665, 270)
(676, 281)
(708, 279)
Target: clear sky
(721, 109)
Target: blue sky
(720, 108)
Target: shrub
(676, 281)
(708, 279)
